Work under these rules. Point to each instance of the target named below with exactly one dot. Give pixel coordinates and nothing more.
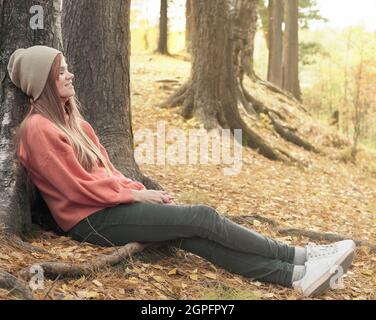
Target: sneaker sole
(324, 282)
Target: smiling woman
(93, 202)
(64, 83)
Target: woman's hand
(152, 196)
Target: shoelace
(315, 251)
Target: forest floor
(326, 195)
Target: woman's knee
(207, 212)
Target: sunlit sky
(341, 13)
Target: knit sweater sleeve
(52, 157)
(91, 133)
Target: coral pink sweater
(70, 192)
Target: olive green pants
(199, 229)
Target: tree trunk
(16, 32)
(275, 42)
(163, 28)
(244, 30)
(212, 90)
(188, 25)
(290, 59)
(220, 38)
(101, 67)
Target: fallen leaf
(87, 294)
(211, 275)
(4, 257)
(97, 283)
(159, 279)
(172, 272)
(193, 277)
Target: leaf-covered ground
(326, 195)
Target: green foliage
(343, 79)
(309, 51)
(308, 12)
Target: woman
(92, 201)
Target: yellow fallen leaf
(69, 297)
(133, 280)
(172, 272)
(193, 277)
(367, 272)
(183, 285)
(79, 281)
(97, 283)
(269, 295)
(87, 294)
(159, 279)
(211, 275)
(256, 223)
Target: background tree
(101, 67)
(290, 57)
(215, 85)
(275, 46)
(163, 28)
(188, 25)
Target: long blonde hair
(49, 106)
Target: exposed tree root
(15, 286)
(285, 132)
(176, 98)
(63, 269)
(53, 269)
(14, 241)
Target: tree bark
(212, 91)
(290, 59)
(16, 32)
(188, 25)
(101, 67)
(275, 42)
(163, 28)
(221, 37)
(244, 30)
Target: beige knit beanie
(29, 68)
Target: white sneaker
(320, 270)
(321, 251)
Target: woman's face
(64, 83)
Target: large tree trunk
(290, 60)
(275, 42)
(16, 32)
(211, 93)
(215, 85)
(101, 66)
(163, 28)
(244, 30)
(188, 25)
